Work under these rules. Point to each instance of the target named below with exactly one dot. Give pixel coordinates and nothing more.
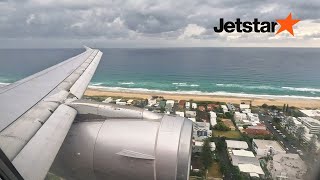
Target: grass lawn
(214, 170)
(228, 134)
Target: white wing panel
(35, 159)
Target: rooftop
(310, 120)
(233, 144)
(180, 113)
(236, 160)
(256, 131)
(311, 113)
(244, 106)
(265, 144)
(250, 168)
(243, 153)
(291, 164)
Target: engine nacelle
(103, 144)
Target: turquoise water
(249, 72)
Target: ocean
(245, 72)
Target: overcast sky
(150, 23)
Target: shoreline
(296, 102)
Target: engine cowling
(105, 143)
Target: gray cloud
(143, 20)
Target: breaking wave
(126, 83)
(185, 84)
(302, 89)
(217, 93)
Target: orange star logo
(286, 24)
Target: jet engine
(108, 141)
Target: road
(266, 119)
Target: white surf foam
(217, 93)
(126, 83)
(302, 89)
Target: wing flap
(35, 159)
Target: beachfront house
(187, 105)
(179, 113)
(194, 105)
(231, 107)
(224, 108)
(191, 114)
(197, 146)
(213, 118)
(201, 131)
(234, 144)
(287, 166)
(265, 148)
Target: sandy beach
(300, 103)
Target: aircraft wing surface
(33, 117)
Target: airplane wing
(35, 120)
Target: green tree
(276, 120)
(221, 127)
(265, 105)
(312, 148)
(228, 115)
(300, 133)
(206, 154)
(290, 123)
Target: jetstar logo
(257, 26)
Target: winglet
(87, 48)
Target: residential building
(246, 161)
(129, 102)
(244, 107)
(213, 118)
(168, 108)
(201, 108)
(181, 104)
(253, 118)
(194, 105)
(197, 146)
(108, 100)
(243, 152)
(224, 108)
(179, 113)
(264, 148)
(191, 114)
(233, 144)
(211, 107)
(171, 102)
(187, 105)
(296, 124)
(121, 102)
(152, 101)
(311, 113)
(201, 130)
(231, 107)
(250, 131)
(287, 166)
(229, 124)
(312, 124)
(251, 169)
(238, 116)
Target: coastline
(296, 102)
